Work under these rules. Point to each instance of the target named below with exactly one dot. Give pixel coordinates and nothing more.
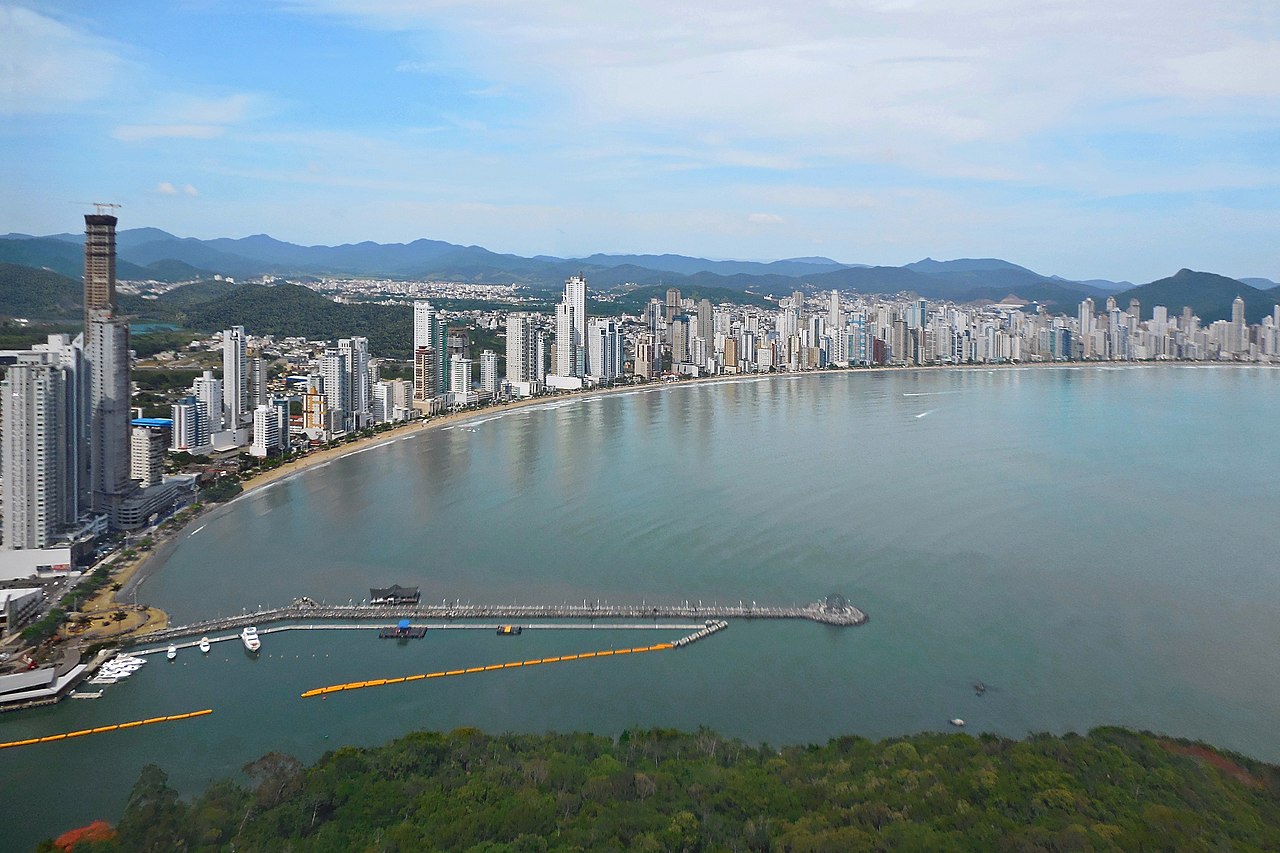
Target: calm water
(1098, 545)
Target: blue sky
(1121, 139)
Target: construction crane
(103, 208)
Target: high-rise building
(208, 393)
(190, 425)
(460, 376)
(99, 265)
(68, 353)
(672, 305)
(571, 328)
(524, 357)
(1239, 331)
(356, 354)
(235, 376)
(705, 329)
(1086, 319)
(337, 383)
(106, 343)
(146, 455)
(109, 413)
(430, 329)
(489, 372)
(266, 432)
(34, 452)
(425, 366)
(605, 350)
(259, 394)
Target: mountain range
(153, 254)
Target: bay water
(1096, 544)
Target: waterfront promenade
(834, 611)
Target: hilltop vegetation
(664, 790)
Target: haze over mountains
(150, 253)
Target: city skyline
(1085, 141)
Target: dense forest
(665, 790)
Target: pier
(833, 611)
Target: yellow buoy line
(380, 682)
(103, 729)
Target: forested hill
(663, 790)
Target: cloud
(47, 66)
(190, 190)
(166, 188)
(143, 132)
(764, 219)
(188, 117)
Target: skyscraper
(522, 349)
(235, 377)
(208, 393)
(489, 371)
(430, 329)
(571, 328)
(107, 353)
(109, 415)
(356, 353)
(99, 265)
(34, 452)
(605, 351)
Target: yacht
(957, 722)
(172, 652)
(249, 636)
(204, 645)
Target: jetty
(834, 610)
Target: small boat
(509, 631)
(979, 688)
(172, 652)
(957, 722)
(204, 645)
(249, 636)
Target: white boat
(172, 652)
(249, 636)
(87, 695)
(204, 645)
(956, 721)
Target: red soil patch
(1226, 765)
(99, 830)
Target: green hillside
(665, 790)
(291, 309)
(1209, 296)
(39, 294)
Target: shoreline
(165, 544)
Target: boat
(957, 722)
(249, 636)
(172, 652)
(204, 645)
(87, 695)
(979, 688)
(102, 679)
(509, 631)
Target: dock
(833, 611)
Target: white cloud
(143, 132)
(190, 190)
(49, 66)
(764, 219)
(166, 188)
(923, 85)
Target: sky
(1122, 139)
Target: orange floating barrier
(103, 729)
(657, 647)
